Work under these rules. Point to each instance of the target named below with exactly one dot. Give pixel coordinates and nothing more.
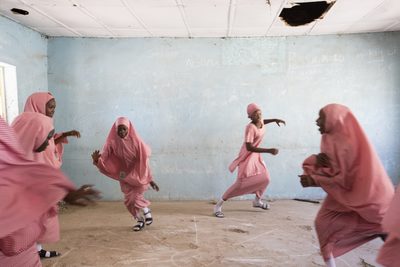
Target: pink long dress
(28, 190)
(359, 190)
(127, 161)
(54, 152)
(389, 254)
(253, 176)
(32, 129)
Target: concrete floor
(186, 234)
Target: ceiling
(196, 18)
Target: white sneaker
(262, 205)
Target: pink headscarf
(36, 102)
(251, 108)
(391, 222)
(32, 130)
(129, 154)
(356, 178)
(27, 191)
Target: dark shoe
(48, 254)
(148, 220)
(139, 226)
(219, 214)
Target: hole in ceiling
(19, 11)
(305, 12)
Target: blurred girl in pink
(358, 189)
(34, 132)
(125, 158)
(253, 176)
(45, 103)
(389, 254)
(28, 191)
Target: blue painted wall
(27, 50)
(187, 98)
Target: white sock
(258, 201)
(139, 218)
(39, 247)
(218, 206)
(330, 262)
(147, 213)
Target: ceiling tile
(199, 18)
(161, 17)
(115, 16)
(202, 17)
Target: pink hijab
(251, 108)
(36, 102)
(391, 222)
(129, 154)
(32, 129)
(356, 178)
(27, 190)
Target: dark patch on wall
(304, 13)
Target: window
(8, 92)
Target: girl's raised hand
(73, 133)
(95, 156)
(154, 186)
(307, 181)
(280, 121)
(274, 151)
(85, 195)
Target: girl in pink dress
(253, 176)
(358, 189)
(28, 191)
(389, 254)
(45, 103)
(31, 128)
(125, 158)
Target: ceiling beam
(51, 18)
(133, 13)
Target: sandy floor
(186, 234)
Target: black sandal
(148, 220)
(139, 226)
(48, 254)
(264, 206)
(219, 214)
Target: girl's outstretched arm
(252, 148)
(277, 121)
(66, 134)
